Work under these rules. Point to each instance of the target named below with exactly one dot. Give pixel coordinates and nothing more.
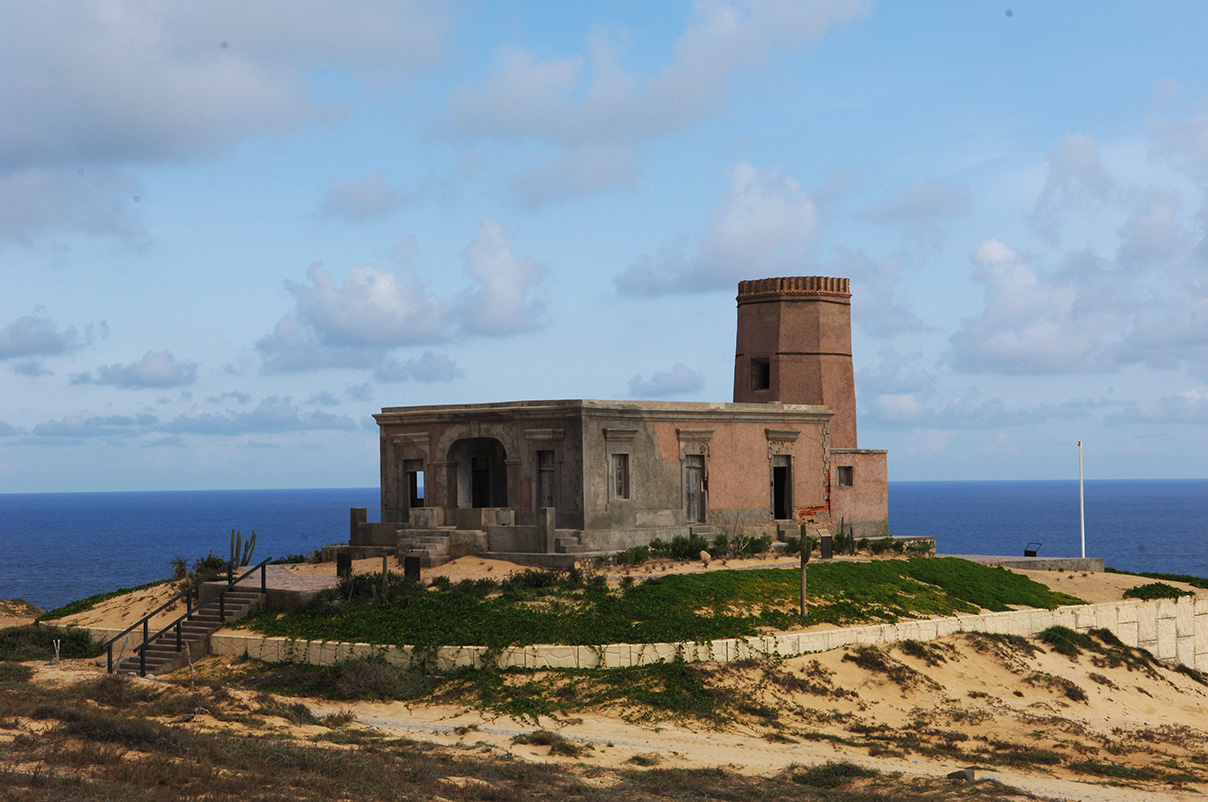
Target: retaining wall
(1175, 631)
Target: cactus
(241, 553)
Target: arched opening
(482, 474)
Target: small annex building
(535, 480)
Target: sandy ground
(970, 692)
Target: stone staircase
(433, 545)
(568, 541)
(162, 656)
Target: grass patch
(32, 642)
(558, 745)
(1187, 579)
(569, 608)
(88, 602)
(1156, 590)
(834, 774)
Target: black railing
(190, 610)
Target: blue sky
(231, 231)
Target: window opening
(620, 476)
(414, 468)
(845, 476)
(761, 374)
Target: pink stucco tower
(794, 347)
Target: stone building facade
(546, 478)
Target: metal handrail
(221, 596)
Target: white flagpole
(1081, 500)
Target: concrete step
(161, 656)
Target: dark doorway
(482, 477)
(782, 488)
(413, 483)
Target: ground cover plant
(37, 643)
(1195, 581)
(575, 609)
(1155, 590)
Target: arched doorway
(482, 473)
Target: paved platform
(1091, 564)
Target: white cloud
(88, 424)
(1030, 324)
(155, 369)
(923, 203)
(592, 104)
(876, 303)
(1189, 405)
(104, 86)
(99, 201)
(1076, 175)
(271, 415)
(31, 368)
(1153, 236)
(360, 199)
(921, 207)
(577, 171)
(502, 301)
(431, 367)
(765, 224)
(143, 80)
(595, 99)
(374, 308)
(38, 335)
(354, 325)
(680, 380)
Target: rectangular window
(845, 475)
(761, 374)
(620, 476)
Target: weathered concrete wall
(1175, 631)
(864, 506)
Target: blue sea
(56, 547)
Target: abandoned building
(534, 480)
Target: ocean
(57, 547)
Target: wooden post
(805, 558)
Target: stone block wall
(1174, 631)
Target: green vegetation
(37, 643)
(1187, 579)
(87, 603)
(1155, 590)
(572, 608)
(833, 774)
(1105, 649)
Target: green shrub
(660, 547)
(687, 548)
(792, 545)
(37, 643)
(834, 774)
(1155, 590)
(755, 545)
(721, 545)
(635, 555)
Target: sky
(232, 231)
